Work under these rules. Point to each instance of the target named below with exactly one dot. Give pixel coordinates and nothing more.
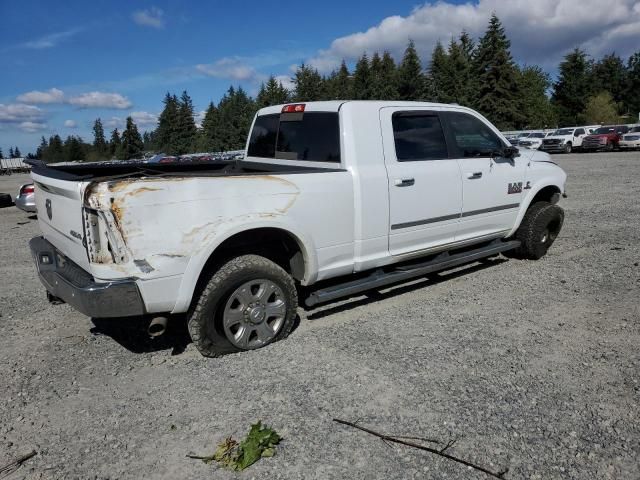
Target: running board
(380, 278)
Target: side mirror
(510, 152)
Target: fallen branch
(441, 452)
(11, 467)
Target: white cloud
(50, 40)
(100, 100)
(233, 68)
(114, 122)
(540, 32)
(18, 112)
(32, 127)
(286, 81)
(152, 17)
(144, 119)
(52, 95)
(70, 124)
(199, 118)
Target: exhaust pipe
(157, 326)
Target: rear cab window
(418, 136)
(301, 136)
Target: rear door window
(312, 136)
(418, 136)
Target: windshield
(564, 131)
(635, 130)
(605, 130)
(537, 135)
(522, 135)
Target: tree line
(482, 75)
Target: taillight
(293, 108)
(27, 189)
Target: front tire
(568, 147)
(538, 230)
(248, 303)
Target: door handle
(474, 175)
(404, 182)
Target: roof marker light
(293, 108)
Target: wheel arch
(544, 192)
(286, 246)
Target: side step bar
(380, 278)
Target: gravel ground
(532, 366)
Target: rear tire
(538, 230)
(248, 303)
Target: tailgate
(59, 205)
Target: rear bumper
(26, 203)
(67, 281)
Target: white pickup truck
(565, 140)
(333, 199)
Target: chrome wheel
(254, 314)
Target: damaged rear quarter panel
(169, 225)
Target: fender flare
(200, 258)
(526, 201)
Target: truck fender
(529, 197)
(199, 259)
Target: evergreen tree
(498, 90)
(11, 154)
(55, 151)
(74, 149)
(167, 132)
(1, 154)
(16, 152)
(411, 82)
(186, 131)
(388, 84)
(609, 74)
(115, 143)
(99, 142)
(633, 86)
(236, 110)
(271, 93)
(131, 146)
(42, 148)
(209, 134)
(362, 79)
(571, 91)
(440, 75)
(462, 86)
(339, 84)
(309, 85)
(536, 106)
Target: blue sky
(66, 63)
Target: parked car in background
(564, 140)
(605, 138)
(26, 198)
(533, 140)
(631, 140)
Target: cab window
(471, 136)
(418, 136)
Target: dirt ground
(531, 366)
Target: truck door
(424, 182)
(491, 186)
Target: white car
(532, 141)
(332, 199)
(564, 140)
(631, 140)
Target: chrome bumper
(26, 203)
(64, 279)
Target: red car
(604, 138)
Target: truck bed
(106, 170)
